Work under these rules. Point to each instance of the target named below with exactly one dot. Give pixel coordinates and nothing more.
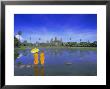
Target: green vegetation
(16, 42)
(16, 54)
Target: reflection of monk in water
(42, 57)
(36, 70)
(36, 58)
(42, 71)
(39, 71)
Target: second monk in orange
(42, 57)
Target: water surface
(58, 62)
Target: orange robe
(42, 58)
(36, 58)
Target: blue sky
(47, 26)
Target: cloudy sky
(47, 26)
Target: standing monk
(36, 58)
(42, 57)
(35, 51)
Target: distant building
(52, 42)
(56, 42)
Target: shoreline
(57, 48)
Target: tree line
(18, 43)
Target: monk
(42, 57)
(36, 58)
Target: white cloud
(19, 37)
